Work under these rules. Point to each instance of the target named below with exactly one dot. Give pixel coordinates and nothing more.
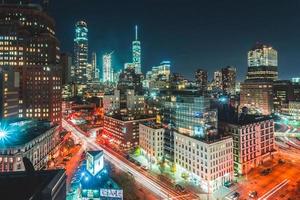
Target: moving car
(235, 196)
(179, 188)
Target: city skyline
(156, 125)
(206, 39)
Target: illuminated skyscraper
(201, 79)
(29, 45)
(217, 81)
(81, 52)
(262, 63)
(95, 70)
(228, 79)
(136, 52)
(107, 68)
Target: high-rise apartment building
(257, 97)
(217, 80)
(262, 63)
(282, 94)
(28, 44)
(95, 69)
(81, 52)
(129, 79)
(136, 53)
(159, 77)
(228, 79)
(201, 79)
(66, 65)
(9, 92)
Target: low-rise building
(151, 140)
(111, 102)
(35, 139)
(124, 130)
(253, 140)
(209, 162)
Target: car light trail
(147, 182)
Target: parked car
(145, 168)
(253, 194)
(228, 184)
(266, 171)
(281, 161)
(138, 163)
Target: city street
(159, 188)
(279, 184)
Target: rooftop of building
(209, 138)
(130, 117)
(257, 81)
(260, 45)
(152, 124)
(15, 132)
(231, 116)
(20, 4)
(23, 185)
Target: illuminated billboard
(94, 162)
(111, 193)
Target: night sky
(192, 34)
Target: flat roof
(15, 132)
(153, 125)
(130, 118)
(95, 153)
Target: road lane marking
(274, 190)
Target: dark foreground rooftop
(40, 185)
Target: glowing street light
(2, 134)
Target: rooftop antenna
(136, 32)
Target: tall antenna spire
(136, 32)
